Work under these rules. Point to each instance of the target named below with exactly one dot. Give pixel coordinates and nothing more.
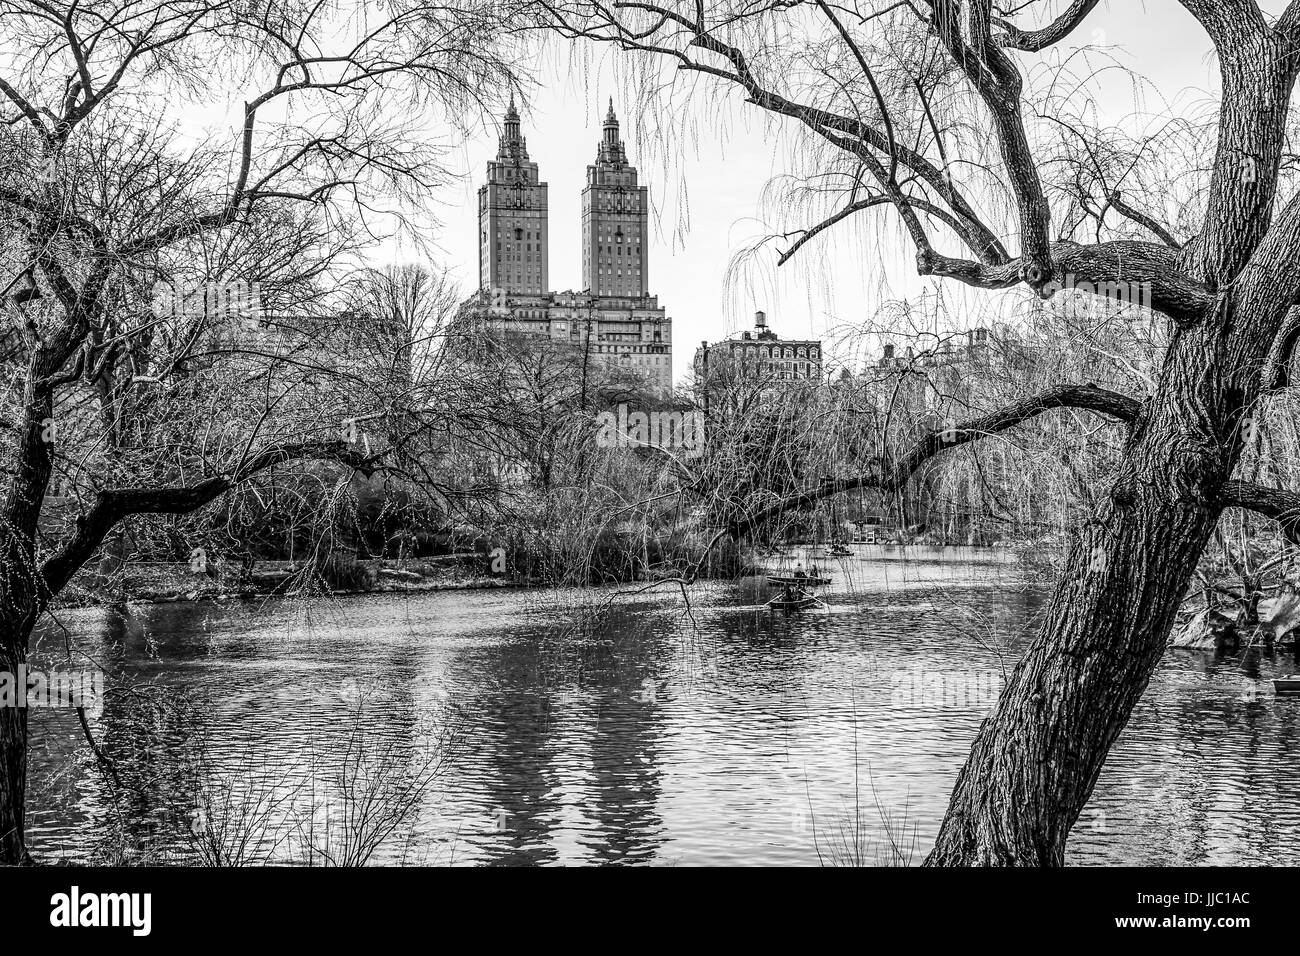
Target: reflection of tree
(182, 724)
(144, 730)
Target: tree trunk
(13, 771)
(1037, 757)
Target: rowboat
(780, 580)
(1287, 685)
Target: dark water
(726, 735)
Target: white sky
(705, 208)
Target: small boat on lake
(781, 580)
(1287, 685)
(801, 600)
(799, 577)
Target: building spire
(611, 147)
(512, 146)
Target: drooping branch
(838, 128)
(1166, 274)
(871, 201)
(114, 504)
(1277, 503)
(893, 475)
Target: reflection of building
(614, 318)
(760, 357)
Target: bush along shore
(608, 561)
(157, 582)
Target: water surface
(716, 734)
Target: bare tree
(102, 196)
(924, 109)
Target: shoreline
(154, 583)
(174, 583)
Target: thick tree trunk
(1037, 756)
(13, 772)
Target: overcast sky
(706, 204)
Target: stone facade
(512, 218)
(760, 356)
(614, 317)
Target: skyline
(689, 203)
(706, 188)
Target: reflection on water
(724, 735)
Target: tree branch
(1032, 41)
(1116, 199)
(112, 505)
(1144, 273)
(889, 476)
(1276, 503)
(999, 84)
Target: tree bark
(1036, 758)
(13, 767)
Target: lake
(662, 734)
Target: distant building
(614, 318)
(950, 351)
(512, 218)
(761, 357)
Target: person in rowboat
(790, 594)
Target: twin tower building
(614, 316)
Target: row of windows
(775, 351)
(655, 358)
(780, 369)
